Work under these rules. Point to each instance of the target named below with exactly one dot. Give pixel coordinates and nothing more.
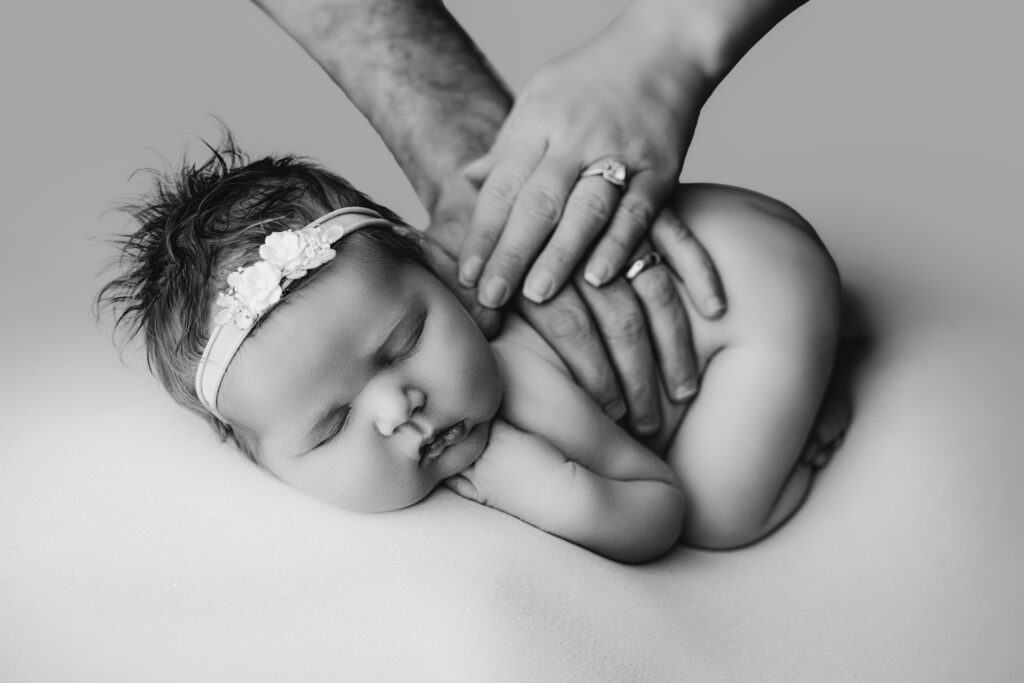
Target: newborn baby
(306, 323)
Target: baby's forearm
(523, 475)
(628, 521)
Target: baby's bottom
(766, 366)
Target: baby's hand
(518, 473)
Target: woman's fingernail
(597, 273)
(715, 305)
(539, 288)
(493, 292)
(616, 410)
(469, 271)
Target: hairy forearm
(412, 71)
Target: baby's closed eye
(404, 340)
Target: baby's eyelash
(346, 412)
(413, 344)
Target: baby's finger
(632, 219)
(566, 324)
(462, 486)
(494, 204)
(670, 328)
(533, 218)
(620, 318)
(690, 261)
(590, 206)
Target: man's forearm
(412, 71)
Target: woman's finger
(535, 213)
(590, 206)
(568, 327)
(632, 219)
(620, 318)
(690, 261)
(656, 289)
(496, 199)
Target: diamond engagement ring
(646, 261)
(611, 170)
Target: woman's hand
(613, 339)
(627, 95)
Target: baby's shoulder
(519, 344)
(535, 380)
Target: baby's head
(334, 357)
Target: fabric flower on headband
(286, 255)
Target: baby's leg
(738, 449)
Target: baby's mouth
(441, 440)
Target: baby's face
(366, 388)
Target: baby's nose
(398, 409)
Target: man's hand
(632, 92)
(613, 339)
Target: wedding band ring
(611, 170)
(646, 261)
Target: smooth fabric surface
(133, 546)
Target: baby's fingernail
(715, 305)
(462, 486)
(539, 288)
(616, 410)
(493, 292)
(469, 271)
(597, 273)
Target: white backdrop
(132, 547)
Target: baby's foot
(829, 428)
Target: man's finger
(566, 325)
(488, 320)
(688, 258)
(670, 329)
(476, 171)
(620, 318)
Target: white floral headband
(285, 257)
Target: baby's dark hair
(203, 221)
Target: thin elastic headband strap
(227, 337)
